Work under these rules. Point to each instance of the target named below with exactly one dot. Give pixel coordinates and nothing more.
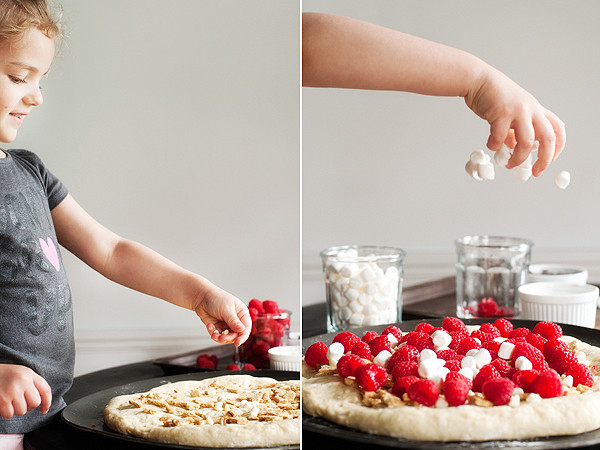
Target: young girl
(347, 53)
(36, 214)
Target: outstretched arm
(133, 265)
(346, 53)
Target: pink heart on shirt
(50, 252)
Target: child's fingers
(19, 405)
(6, 410)
(32, 398)
(45, 393)
(547, 139)
(559, 130)
(525, 135)
(510, 140)
(499, 130)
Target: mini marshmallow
(472, 170)
(523, 173)
(349, 270)
(482, 357)
(367, 274)
(472, 352)
(567, 381)
(352, 294)
(533, 398)
(393, 340)
(522, 363)
(502, 156)
(479, 157)
(468, 362)
(370, 289)
(392, 273)
(371, 319)
(467, 372)
(334, 353)
(346, 313)
(486, 171)
(500, 339)
(441, 402)
(562, 180)
(382, 358)
(357, 319)
(355, 283)
(427, 354)
(441, 338)
(428, 368)
(515, 401)
(355, 307)
(506, 350)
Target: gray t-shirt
(36, 319)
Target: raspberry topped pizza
(456, 382)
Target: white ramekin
(559, 302)
(287, 357)
(557, 272)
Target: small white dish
(287, 357)
(557, 272)
(570, 303)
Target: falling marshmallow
(562, 180)
(502, 156)
(523, 173)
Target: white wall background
(177, 124)
(388, 167)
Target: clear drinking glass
(489, 271)
(363, 285)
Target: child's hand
(21, 390)
(222, 312)
(516, 119)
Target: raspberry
(498, 390)
(531, 353)
(232, 367)
(348, 364)
(490, 328)
(501, 366)
(405, 369)
(397, 332)
(347, 339)
(371, 376)
(524, 378)
(256, 304)
(581, 375)
(486, 373)
(536, 340)
(454, 324)
(549, 330)
(467, 344)
(562, 359)
(482, 336)
(270, 307)
(504, 326)
(519, 332)
(368, 336)
(211, 357)
(547, 384)
(249, 366)
(202, 362)
(424, 327)
(457, 336)
(491, 346)
(424, 392)
(553, 344)
(487, 307)
(456, 388)
(316, 355)
(402, 384)
(404, 353)
(362, 349)
(453, 365)
(379, 344)
(448, 355)
(419, 340)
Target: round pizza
(456, 382)
(224, 411)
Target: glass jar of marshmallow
(363, 285)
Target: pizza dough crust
(328, 397)
(125, 417)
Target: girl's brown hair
(19, 16)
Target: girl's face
(23, 63)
